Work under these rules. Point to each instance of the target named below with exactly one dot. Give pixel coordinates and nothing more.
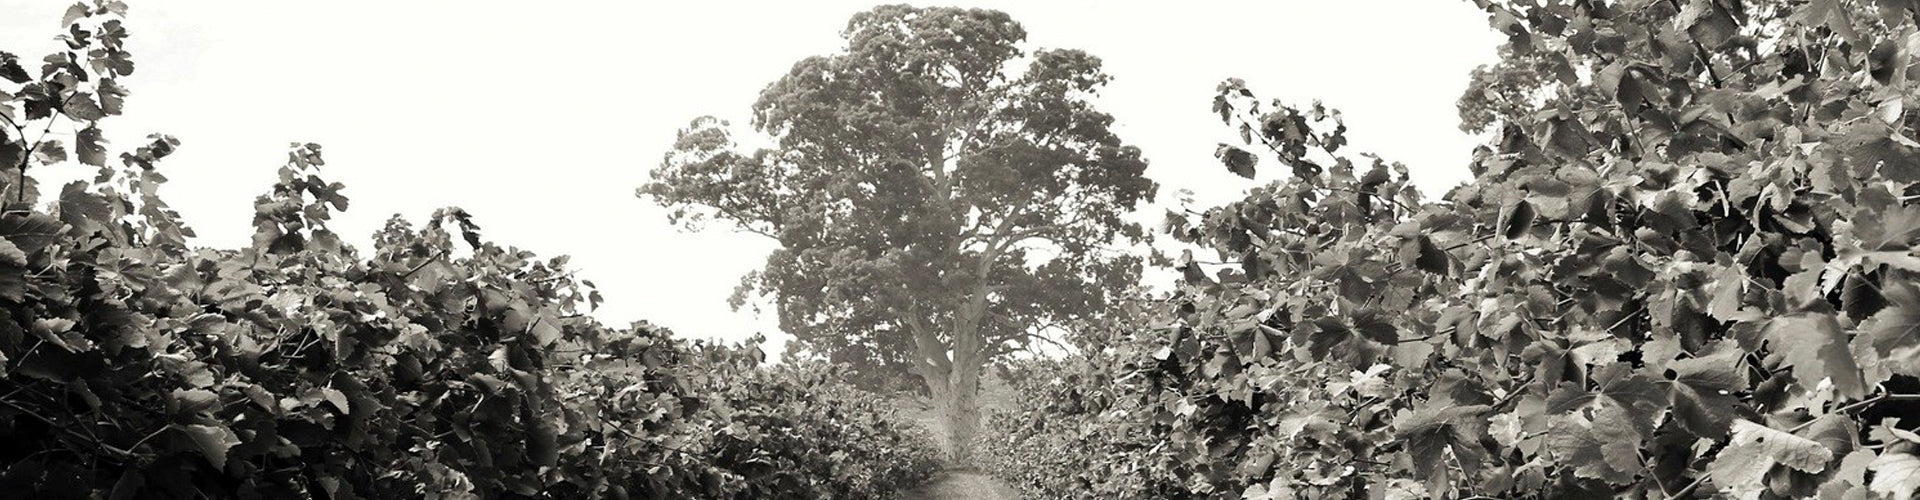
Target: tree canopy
(933, 208)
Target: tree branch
(68, 430)
(933, 354)
(423, 265)
(26, 157)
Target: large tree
(934, 209)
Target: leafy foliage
(1685, 267)
(798, 430)
(135, 366)
(1076, 434)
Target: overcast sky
(541, 117)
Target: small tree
(933, 209)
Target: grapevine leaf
(81, 209)
(113, 97)
(1853, 467)
(1896, 475)
(1623, 267)
(1871, 149)
(82, 107)
(1375, 326)
(13, 284)
(1885, 60)
(1639, 396)
(191, 401)
(10, 69)
(1619, 444)
(1817, 348)
(1570, 137)
(1596, 348)
(1828, 13)
(90, 148)
(1894, 332)
(115, 61)
(1431, 259)
(1671, 213)
(74, 13)
(1568, 397)
(31, 232)
(337, 398)
(1237, 160)
(1703, 391)
(542, 446)
(1741, 468)
(1800, 453)
(50, 151)
(1431, 431)
(49, 330)
(1740, 471)
(194, 372)
(11, 254)
(1518, 219)
(545, 330)
(1894, 229)
(1728, 286)
(213, 441)
(1596, 449)
(1888, 431)
(1607, 80)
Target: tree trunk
(952, 372)
(962, 410)
(953, 380)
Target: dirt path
(958, 483)
(963, 485)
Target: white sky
(542, 117)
